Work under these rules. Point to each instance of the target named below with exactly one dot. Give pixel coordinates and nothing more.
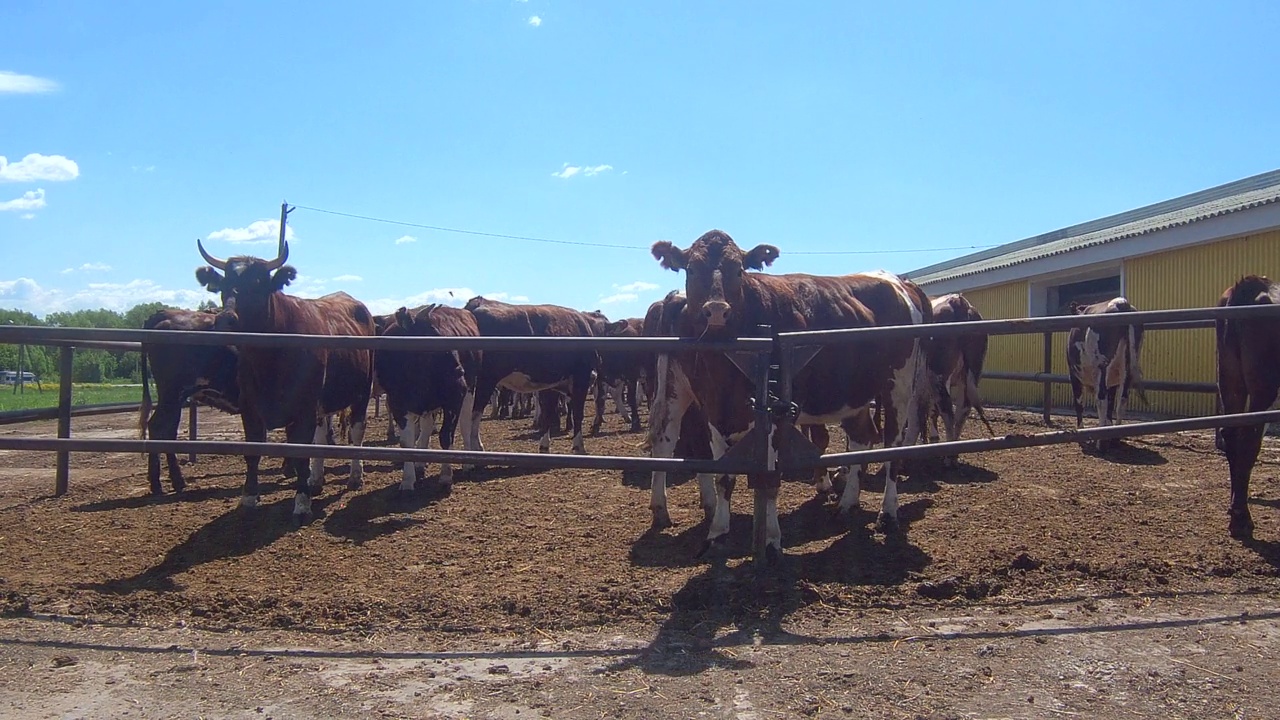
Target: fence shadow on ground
(236, 533)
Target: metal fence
(771, 360)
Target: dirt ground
(1033, 583)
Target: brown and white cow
(619, 374)
(1104, 361)
(202, 374)
(420, 382)
(724, 301)
(293, 388)
(955, 368)
(1248, 381)
(568, 372)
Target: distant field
(46, 395)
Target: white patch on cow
(772, 530)
(408, 439)
(579, 447)
(852, 494)
(905, 396)
(321, 437)
(917, 315)
(522, 383)
(301, 504)
(672, 398)
(355, 437)
(1091, 361)
(544, 442)
(720, 518)
(707, 493)
(248, 501)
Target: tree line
(88, 366)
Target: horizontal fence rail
(1059, 379)
(1057, 437)
(13, 417)
(395, 455)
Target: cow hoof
(157, 491)
(770, 557)
(355, 484)
(544, 450)
(886, 523)
(1241, 528)
(661, 519)
(714, 548)
(302, 519)
(840, 513)
(248, 501)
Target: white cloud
(637, 286)
(456, 296)
(568, 171)
(619, 297)
(28, 216)
(535, 21)
(27, 294)
(403, 239)
(12, 82)
(89, 267)
(36, 167)
(259, 231)
(143, 168)
(30, 200)
(348, 278)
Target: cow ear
(403, 319)
(209, 278)
(671, 257)
(283, 276)
(615, 326)
(760, 256)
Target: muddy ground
(1033, 583)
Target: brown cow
(293, 388)
(620, 373)
(203, 374)
(1248, 381)
(838, 384)
(955, 368)
(1105, 361)
(566, 372)
(419, 383)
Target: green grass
(31, 397)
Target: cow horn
(281, 255)
(215, 262)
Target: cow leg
(719, 530)
(598, 420)
(1077, 399)
(900, 416)
(860, 434)
(472, 409)
(300, 433)
(766, 534)
(665, 416)
(821, 439)
(577, 410)
(409, 439)
(546, 416)
(634, 403)
(163, 425)
(448, 424)
(355, 438)
(321, 437)
(255, 431)
(1243, 444)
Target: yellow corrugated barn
(1181, 253)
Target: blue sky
(130, 129)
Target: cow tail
(144, 410)
(1135, 369)
(974, 359)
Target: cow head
(248, 282)
(714, 267)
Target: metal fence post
(61, 480)
(191, 430)
(1048, 385)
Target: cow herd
(888, 391)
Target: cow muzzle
(716, 312)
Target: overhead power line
(528, 238)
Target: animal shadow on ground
(1268, 550)
(643, 479)
(756, 601)
(239, 532)
(1123, 453)
(930, 475)
(385, 511)
(192, 493)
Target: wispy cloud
(348, 278)
(535, 21)
(143, 168)
(405, 239)
(637, 286)
(36, 167)
(568, 171)
(12, 82)
(88, 267)
(27, 294)
(30, 200)
(259, 231)
(28, 216)
(619, 297)
(455, 296)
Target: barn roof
(1221, 200)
